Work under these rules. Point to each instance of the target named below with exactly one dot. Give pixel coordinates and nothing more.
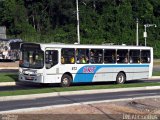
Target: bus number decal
(74, 68)
(89, 69)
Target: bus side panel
(127, 69)
(52, 75)
(134, 71)
(52, 78)
(93, 73)
(103, 74)
(73, 69)
(86, 73)
(141, 72)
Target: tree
(101, 21)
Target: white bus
(66, 64)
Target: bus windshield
(32, 59)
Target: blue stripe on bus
(86, 73)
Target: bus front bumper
(31, 78)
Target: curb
(155, 77)
(81, 92)
(9, 68)
(7, 84)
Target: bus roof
(49, 45)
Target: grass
(156, 61)
(75, 88)
(157, 73)
(8, 77)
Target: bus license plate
(29, 78)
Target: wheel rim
(65, 81)
(121, 79)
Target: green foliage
(8, 77)
(101, 21)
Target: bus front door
(51, 61)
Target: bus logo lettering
(89, 69)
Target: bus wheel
(121, 78)
(66, 80)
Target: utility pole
(137, 39)
(145, 32)
(78, 32)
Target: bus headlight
(20, 73)
(39, 74)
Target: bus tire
(121, 78)
(66, 80)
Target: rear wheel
(121, 78)
(66, 80)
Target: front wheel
(121, 78)
(66, 80)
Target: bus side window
(145, 56)
(122, 56)
(134, 56)
(51, 58)
(68, 56)
(96, 56)
(82, 56)
(109, 56)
